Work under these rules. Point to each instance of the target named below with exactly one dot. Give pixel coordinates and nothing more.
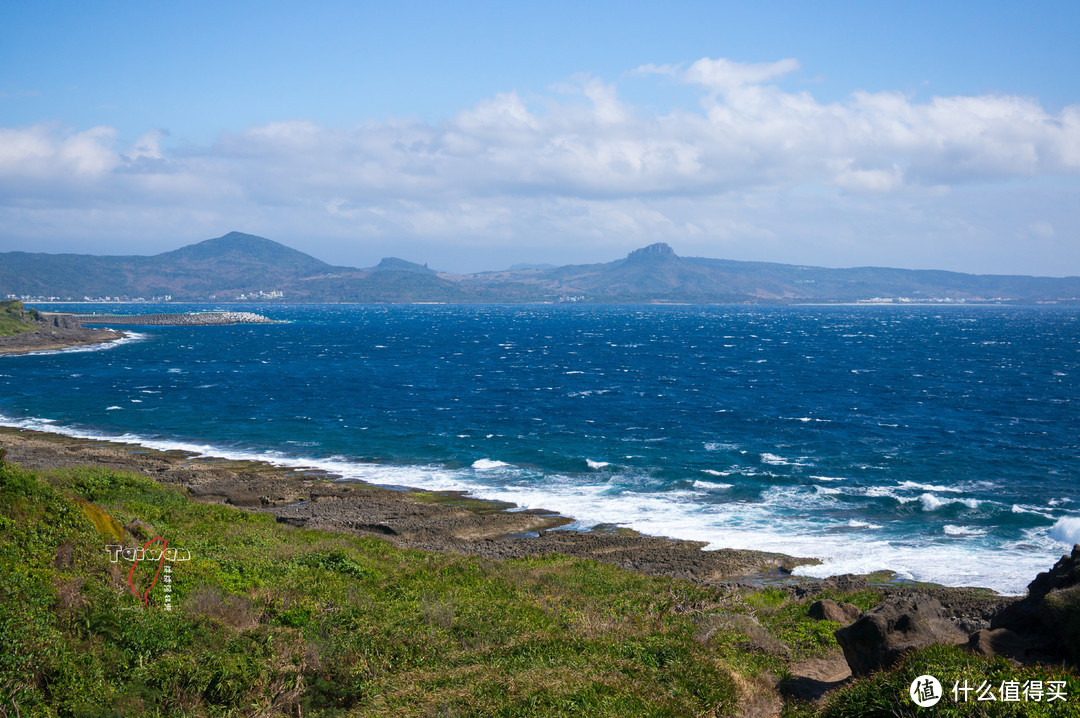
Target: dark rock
(1027, 616)
(895, 626)
(845, 583)
(140, 530)
(1000, 642)
(245, 499)
(1064, 574)
(829, 610)
(653, 253)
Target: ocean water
(939, 442)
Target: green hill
(235, 265)
(16, 319)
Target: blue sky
(476, 135)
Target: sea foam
(488, 464)
(1066, 530)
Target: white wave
(709, 486)
(755, 526)
(419, 476)
(785, 520)
(827, 478)
(952, 530)
(856, 524)
(774, 460)
(597, 464)
(714, 472)
(916, 486)
(932, 503)
(827, 490)
(113, 408)
(1066, 530)
(1037, 510)
(879, 492)
(488, 464)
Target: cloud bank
(575, 163)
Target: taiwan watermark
(156, 550)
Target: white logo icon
(925, 691)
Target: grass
(885, 694)
(14, 319)
(269, 620)
(272, 620)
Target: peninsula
(25, 330)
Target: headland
(23, 331)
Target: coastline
(64, 330)
(59, 340)
(441, 521)
(447, 521)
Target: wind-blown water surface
(940, 442)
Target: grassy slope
(14, 319)
(271, 620)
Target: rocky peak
(653, 253)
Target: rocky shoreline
(1022, 630)
(433, 521)
(453, 522)
(60, 330)
(56, 338)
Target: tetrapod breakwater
(188, 319)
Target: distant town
(123, 298)
(278, 295)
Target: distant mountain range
(244, 266)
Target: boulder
(846, 583)
(140, 530)
(1048, 590)
(829, 610)
(1000, 642)
(895, 626)
(1064, 574)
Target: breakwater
(188, 319)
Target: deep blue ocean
(940, 442)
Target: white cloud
(723, 75)
(148, 145)
(44, 152)
(580, 161)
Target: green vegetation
(885, 694)
(267, 620)
(15, 319)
